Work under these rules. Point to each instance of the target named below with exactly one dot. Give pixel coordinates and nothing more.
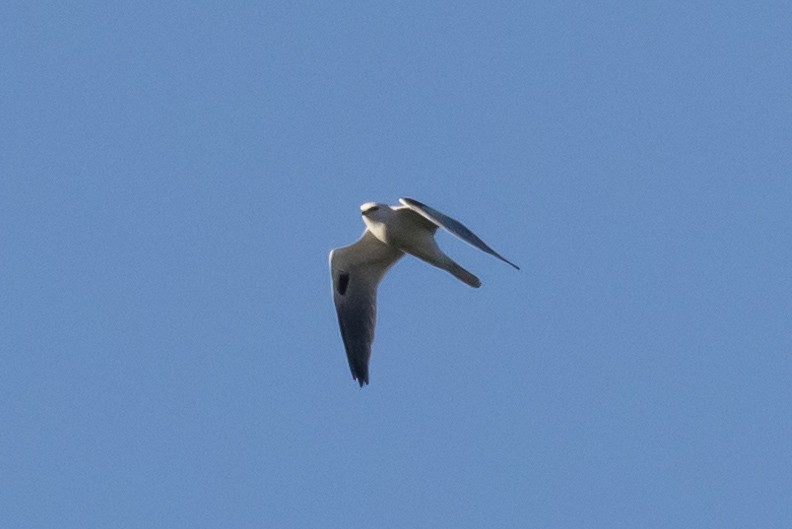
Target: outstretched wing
(453, 226)
(357, 270)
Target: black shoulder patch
(343, 282)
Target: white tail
(463, 275)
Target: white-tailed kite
(391, 231)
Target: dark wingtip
(499, 256)
(360, 374)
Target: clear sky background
(173, 175)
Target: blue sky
(172, 178)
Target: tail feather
(463, 275)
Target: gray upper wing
(357, 270)
(453, 226)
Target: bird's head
(374, 211)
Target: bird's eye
(372, 209)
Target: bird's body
(402, 228)
(391, 231)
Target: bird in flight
(391, 231)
